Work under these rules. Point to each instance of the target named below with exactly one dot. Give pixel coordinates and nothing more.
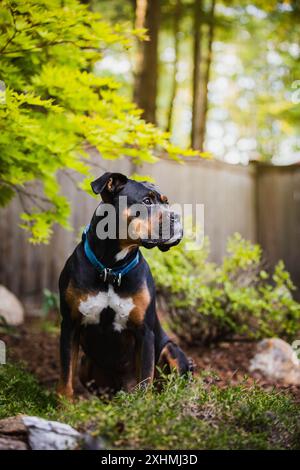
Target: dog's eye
(147, 201)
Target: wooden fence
(278, 216)
(260, 202)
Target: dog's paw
(65, 392)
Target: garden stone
(13, 434)
(276, 360)
(31, 432)
(11, 308)
(50, 435)
(12, 426)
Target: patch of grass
(192, 416)
(184, 415)
(20, 393)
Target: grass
(20, 393)
(183, 415)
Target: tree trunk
(196, 74)
(139, 7)
(145, 86)
(206, 77)
(177, 16)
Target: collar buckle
(108, 275)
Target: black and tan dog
(107, 295)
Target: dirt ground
(37, 348)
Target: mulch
(36, 349)
(227, 362)
(231, 362)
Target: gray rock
(50, 435)
(30, 432)
(276, 360)
(11, 308)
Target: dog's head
(142, 212)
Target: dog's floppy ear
(109, 184)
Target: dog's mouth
(159, 228)
(167, 245)
(163, 244)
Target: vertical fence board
(278, 190)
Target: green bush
(238, 298)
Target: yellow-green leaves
(55, 106)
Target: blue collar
(113, 275)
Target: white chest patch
(92, 307)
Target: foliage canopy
(54, 106)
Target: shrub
(208, 303)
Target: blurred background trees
(220, 75)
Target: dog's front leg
(144, 356)
(69, 347)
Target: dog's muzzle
(169, 235)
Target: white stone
(277, 360)
(31, 432)
(50, 435)
(11, 308)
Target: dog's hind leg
(171, 359)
